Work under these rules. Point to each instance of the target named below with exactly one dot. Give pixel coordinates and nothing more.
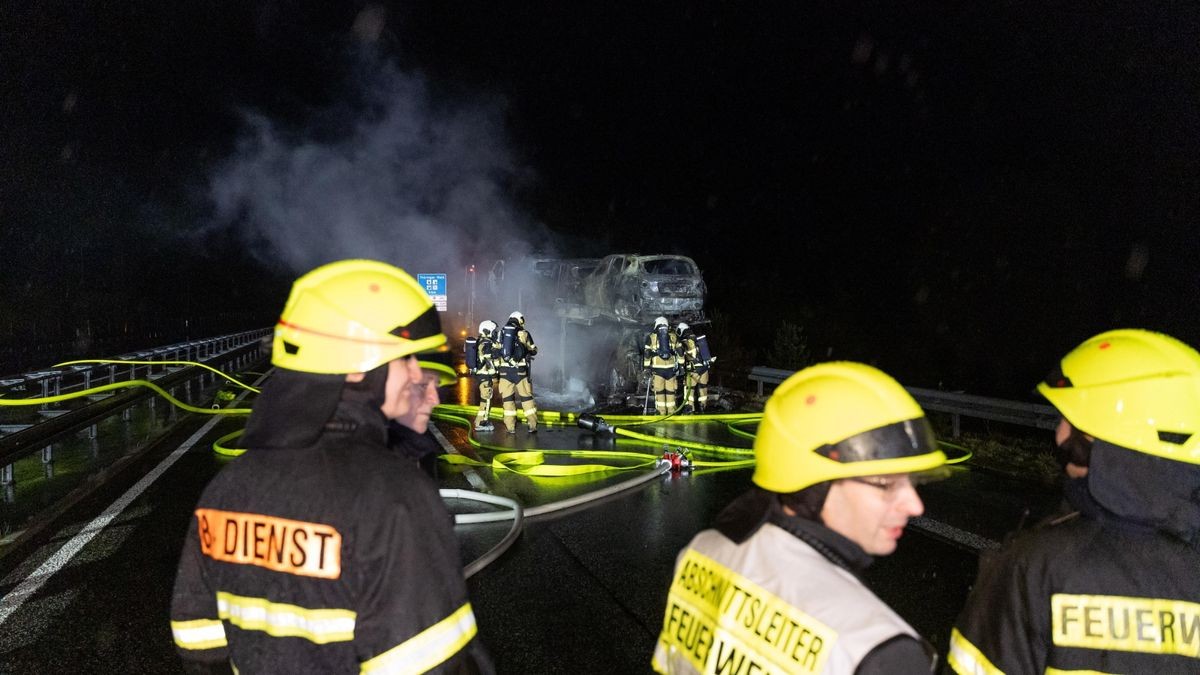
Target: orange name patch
(291, 546)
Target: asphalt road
(580, 592)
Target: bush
(727, 343)
(789, 350)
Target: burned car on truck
(603, 308)
(640, 287)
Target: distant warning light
(471, 269)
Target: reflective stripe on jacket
(772, 604)
(487, 353)
(1085, 595)
(650, 357)
(335, 558)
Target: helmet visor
(1057, 379)
(427, 324)
(907, 438)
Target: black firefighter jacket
(334, 558)
(1114, 590)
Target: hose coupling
(680, 462)
(595, 424)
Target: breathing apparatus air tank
(471, 353)
(510, 346)
(664, 341)
(704, 356)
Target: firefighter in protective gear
(696, 363)
(517, 350)
(776, 585)
(409, 434)
(662, 356)
(1115, 589)
(321, 550)
(487, 353)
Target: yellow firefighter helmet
(840, 420)
(352, 316)
(1133, 388)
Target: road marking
(16, 597)
(11, 602)
(472, 476)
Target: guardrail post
(48, 454)
(955, 423)
(6, 476)
(92, 431)
(127, 414)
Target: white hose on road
(519, 514)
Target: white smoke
(417, 183)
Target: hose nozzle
(595, 424)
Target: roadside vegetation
(1011, 450)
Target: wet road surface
(581, 591)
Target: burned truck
(603, 308)
(637, 288)
(620, 299)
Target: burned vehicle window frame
(625, 285)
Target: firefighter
(1115, 589)
(776, 586)
(320, 550)
(662, 357)
(697, 360)
(409, 434)
(517, 350)
(485, 354)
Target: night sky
(957, 192)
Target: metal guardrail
(19, 439)
(957, 405)
(52, 382)
(764, 375)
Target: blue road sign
(435, 286)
